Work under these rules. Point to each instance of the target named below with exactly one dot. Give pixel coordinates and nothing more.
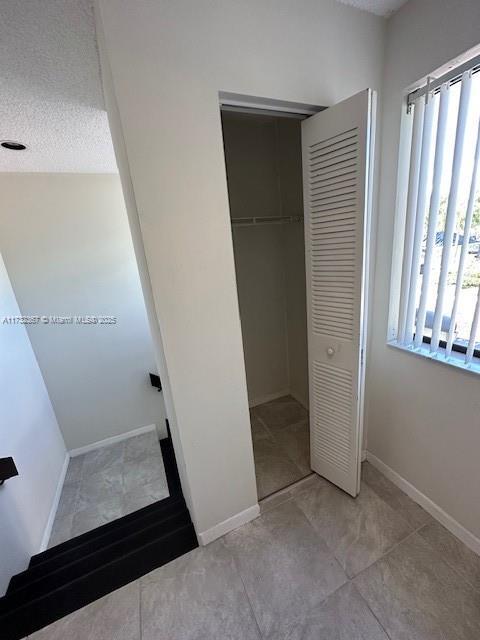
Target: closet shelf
(257, 220)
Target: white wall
(251, 158)
(121, 157)
(291, 189)
(67, 246)
(168, 62)
(260, 270)
(29, 432)
(270, 270)
(252, 165)
(423, 417)
(294, 242)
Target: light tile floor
(316, 565)
(281, 444)
(108, 483)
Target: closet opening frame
(252, 105)
(266, 106)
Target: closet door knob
(330, 351)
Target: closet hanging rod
(257, 220)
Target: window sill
(456, 360)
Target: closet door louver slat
(336, 147)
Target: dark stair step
(34, 614)
(170, 464)
(79, 571)
(155, 508)
(66, 566)
(107, 533)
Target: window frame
(452, 68)
(459, 348)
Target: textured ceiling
(380, 7)
(51, 93)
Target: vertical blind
(440, 284)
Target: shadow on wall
(77, 259)
(29, 433)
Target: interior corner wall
(291, 188)
(29, 433)
(67, 245)
(422, 417)
(168, 62)
(294, 242)
(121, 156)
(251, 158)
(264, 171)
(260, 271)
(254, 190)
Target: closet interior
(264, 173)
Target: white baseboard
(112, 440)
(220, 529)
(458, 530)
(271, 396)
(53, 510)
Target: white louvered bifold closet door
(336, 148)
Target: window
(439, 306)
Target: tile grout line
(334, 557)
(272, 436)
(290, 424)
(399, 514)
(264, 424)
(71, 513)
(339, 588)
(415, 530)
(77, 498)
(350, 582)
(389, 551)
(386, 553)
(447, 562)
(75, 511)
(239, 573)
(372, 612)
(286, 490)
(140, 616)
(352, 579)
